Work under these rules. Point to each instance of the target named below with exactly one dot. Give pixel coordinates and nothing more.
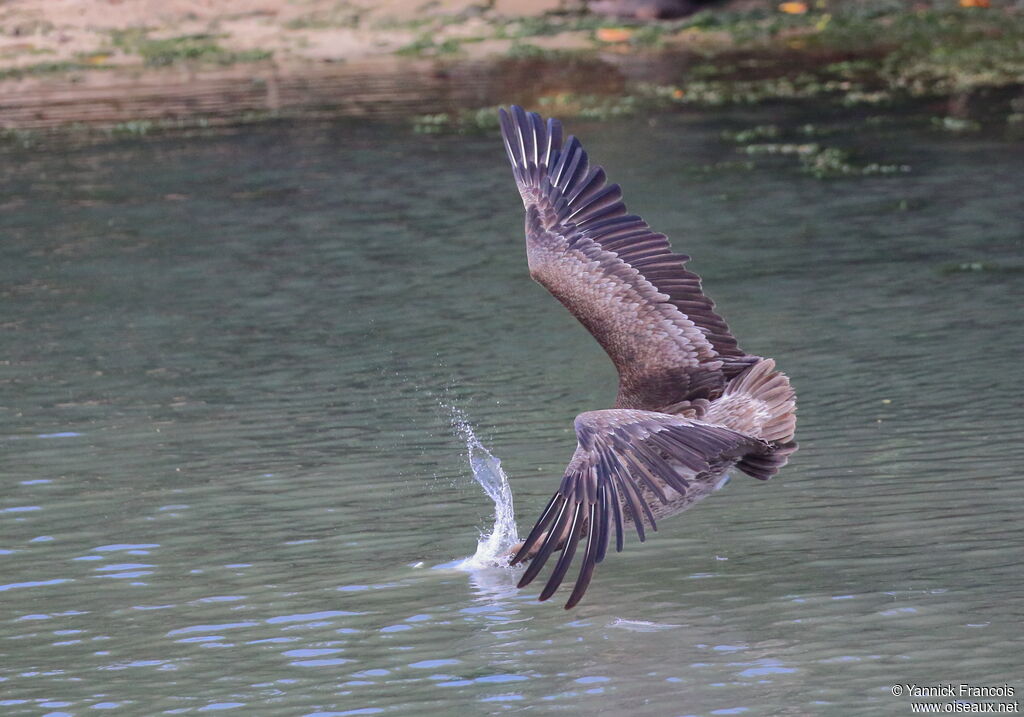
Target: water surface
(228, 366)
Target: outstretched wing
(619, 278)
(623, 460)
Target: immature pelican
(691, 405)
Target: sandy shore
(109, 62)
(115, 61)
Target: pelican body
(691, 404)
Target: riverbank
(121, 65)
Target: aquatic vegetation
(476, 120)
(79, 134)
(484, 119)
(813, 130)
(432, 123)
(145, 127)
(731, 166)
(751, 134)
(731, 91)
(829, 162)
(24, 138)
(823, 162)
(956, 124)
(590, 106)
(137, 128)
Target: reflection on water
(223, 456)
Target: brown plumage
(691, 404)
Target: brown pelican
(691, 405)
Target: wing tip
(530, 140)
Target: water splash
(493, 546)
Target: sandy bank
(108, 62)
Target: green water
(227, 375)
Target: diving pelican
(691, 404)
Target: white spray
(493, 547)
